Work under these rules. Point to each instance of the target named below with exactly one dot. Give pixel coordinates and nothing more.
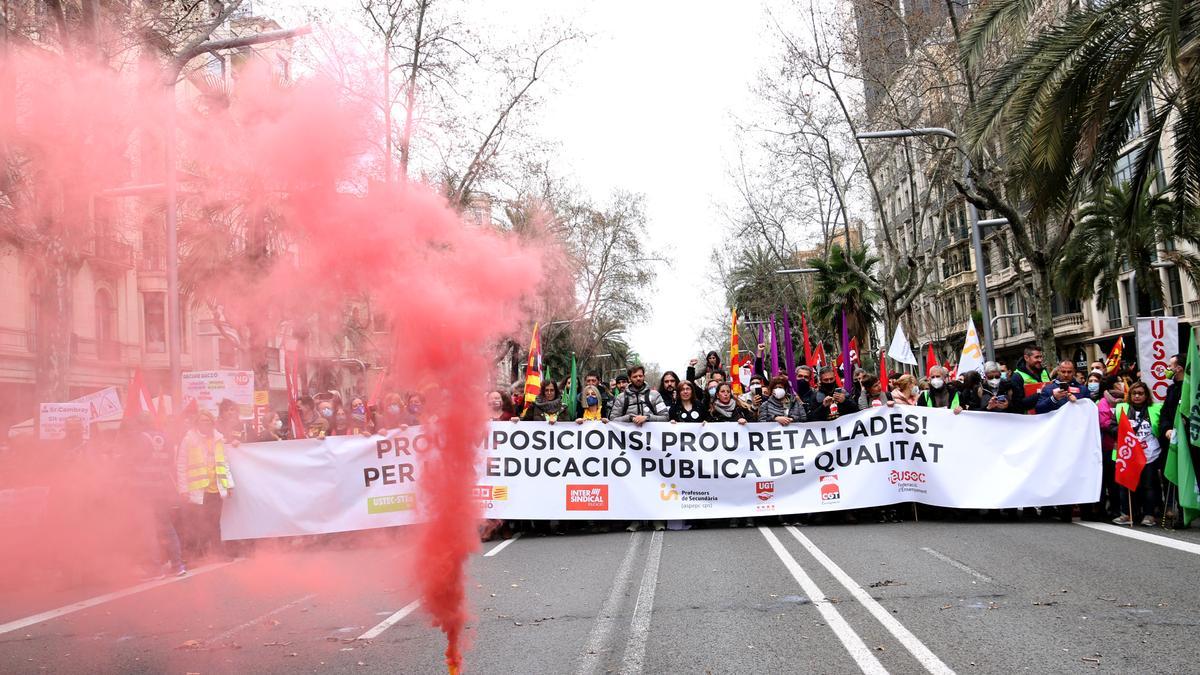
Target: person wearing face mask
(688, 408)
(1092, 387)
(726, 407)
(1145, 417)
(390, 414)
(593, 406)
(780, 406)
(497, 407)
(359, 422)
(272, 428)
(997, 391)
(414, 406)
(804, 389)
(940, 394)
(1112, 394)
(831, 401)
(970, 390)
(905, 390)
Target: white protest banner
(972, 356)
(52, 419)
(595, 471)
(208, 387)
(104, 405)
(900, 350)
(1157, 342)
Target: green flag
(1179, 469)
(573, 390)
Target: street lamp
(799, 270)
(972, 213)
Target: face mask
(1093, 387)
(828, 387)
(592, 400)
(394, 409)
(916, 391)
(360, 409)
(1003, 376)
(278, 425)
(994, 382)
(496, 405)
(802, 384)
(414, 408)
(779, 392)
(712, 391)
(937, 382)
(326, 412)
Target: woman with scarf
(593, 409)
(687, 407)
(547, 406)
(905, 390)
(779, 406)
(728, 408)
(1143, 416)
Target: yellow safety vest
(204, 476)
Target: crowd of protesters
(183, 475)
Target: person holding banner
(687, 408)
(939, 394)
(997, 390)
(638, 403)
(666, 387)
(873, 395)
(593, 406)
(727, 408)
(905, 390)
(498, 408)
(547, 406)
(1144, 416)
(780, 406)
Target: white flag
(972, 356)
(900, 350)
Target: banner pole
(915, 518)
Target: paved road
(901, 598)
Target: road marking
(927, 658)
(850, 640)
(639, 626)
(500, 547)
(390, 621)
(607, 618)
(954, 563)
(108, 597)
(230, 633)
(1145, 536)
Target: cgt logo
(906, 477)
(830, 493)
(587, 497)
(764, 489)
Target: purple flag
(847, 362)
(774, 348)
(789, 356)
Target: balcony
(1193, 307)
(104, 351)
(1115, 322)
(110, 251)
(1068, 323)
(17, 341)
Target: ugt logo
(830, 492)
(764, 489)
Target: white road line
(1144, 536)
(639, 626)
(927, 658)
(954, 563)
(230, 633)
(501, 546)
(850, 640)
(390, 621)
(108, 597)
(593, 650)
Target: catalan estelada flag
(734, 375)
(533, 369)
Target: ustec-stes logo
(587, 497)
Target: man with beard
(831, 401)
(638, 402)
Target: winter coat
(789, 406)
(644, 401)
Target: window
(1060, 306)
(1114, 313)
(1175, 291)
(154, 322)
(1127, 288)
(1013, 326)
(107, 347)
(1123, 170)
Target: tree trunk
(53, 328)
(1043, 314)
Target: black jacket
(697, 414)
(820, 411)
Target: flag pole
(1130, 493)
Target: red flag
(854, 357)
(533, 369)
(883, 376)
(930, 361)
(1113, 361)
(1131, 455)
(818, 357)
(292, 378)
(808, 352)
(138, 399)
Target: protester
(997, 389)
(414, 405)
(150, 468)
(1144, 416)
(593, 379)
(1062, 390)
(638, 403)
(228, 422)
(547, 406)
(203, 479)
(666, 387)
(831, 401)
(1113, 394)
(593, 408)
(392, 415)
(1092, 386)
(780, 406)
(517, 397)
(753, 396)
(804, 390)
(970, 391)
(1029, 378)
(873, 395)
(498, 406)
(687, 407)
(359, 422)
(905, 390)
(273, 428)
(727, 408)
(712, 364)
(939, 394)
(1174, 391)
(620, 384)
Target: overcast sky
(648, 105)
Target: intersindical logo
(587, 497)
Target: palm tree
(1065, 103)
(1122, 230)
(839, 287)
(754, 288)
